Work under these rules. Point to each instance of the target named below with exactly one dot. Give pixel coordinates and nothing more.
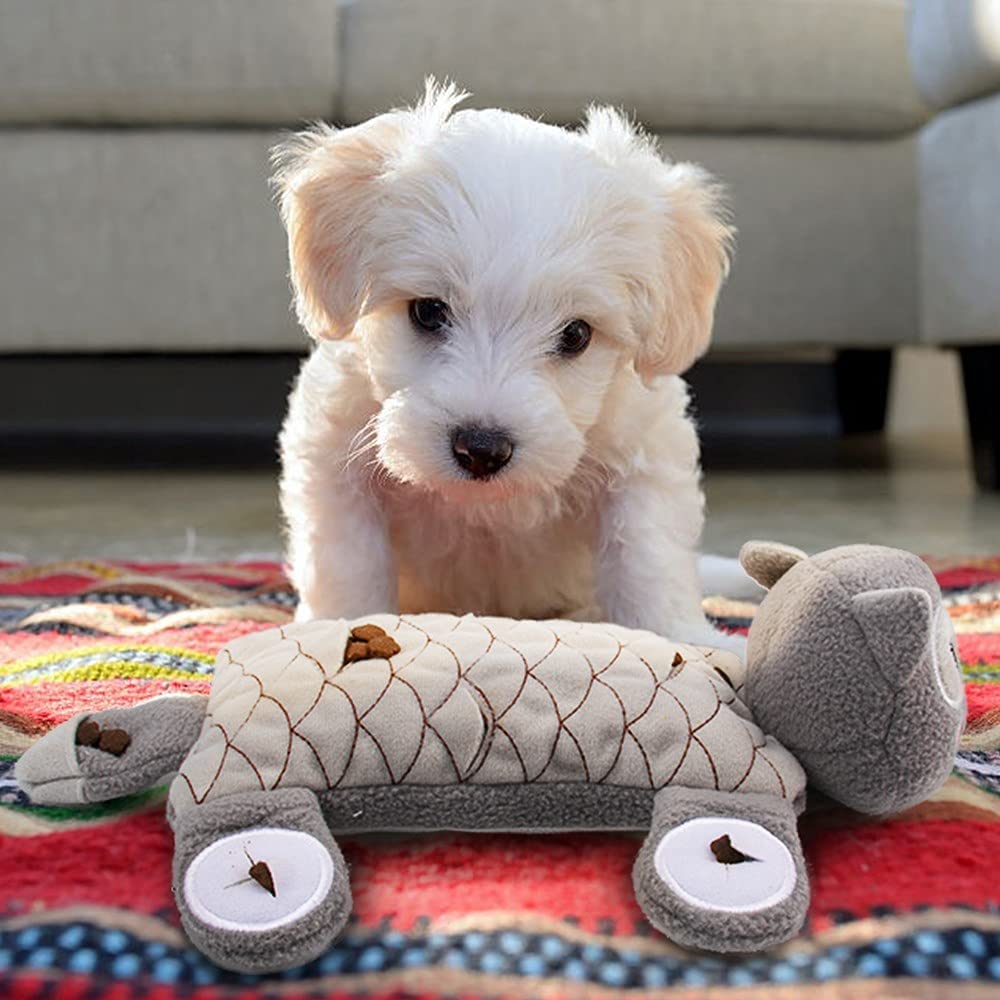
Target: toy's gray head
(841, 642)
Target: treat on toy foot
(855, 670)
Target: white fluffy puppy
(492, 419)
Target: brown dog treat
(114, 741)
(383, 646)
(88, 733)
(356, 651)
(366, 632)
(726, 854)
(261, 874)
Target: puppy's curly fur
(519, 228)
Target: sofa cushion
(827, 241)
(679, 64)
(955, 49)
(190, 61)
(960, 240)
(150, 240)
(141, 240)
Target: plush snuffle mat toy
(431, 722)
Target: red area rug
(906, 907)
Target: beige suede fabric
(478, 701)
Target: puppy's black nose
(481, 451)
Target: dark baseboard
(212, 410)
(145, 410)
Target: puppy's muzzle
(481, 451)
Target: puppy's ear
(695, 262)
(675, 300)
(328, 183)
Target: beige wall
(926, 395)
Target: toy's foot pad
(728, 865)
(721, 871)
(258, 880)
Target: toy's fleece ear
(768, 562)
(898, 623)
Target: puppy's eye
(429, 315)
(574, 338)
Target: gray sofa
(860, 140)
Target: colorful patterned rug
(905, 907)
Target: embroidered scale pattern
(479, 701)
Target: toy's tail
(103, 755)
(726, 578)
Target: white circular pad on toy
(944, 660)
(685, 862)
(219, 891)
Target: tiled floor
(925, 500)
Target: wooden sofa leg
(981, 376)
(862, 384)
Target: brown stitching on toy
(755, 753)
(497, 716)
(420, 702)
(232, 746)
(218, 770)
(360, 727)
(561, 720)
(692, 737)
(711, 762)
(454, 656)
(715, 712)
(687, 744)
(355, 735)
(524, 679)
(731, 701)
(491, 722)
(263, 696)
(303, 653)
(599, 680)
(766, 760)
(560, 634)
(423, 735)
(517, 752)
(631, 722)
(433, 729)
(555, 706)
(565, 719)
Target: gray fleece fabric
(853, 667)
(701, 927)
(283, 947)
(58, 771)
